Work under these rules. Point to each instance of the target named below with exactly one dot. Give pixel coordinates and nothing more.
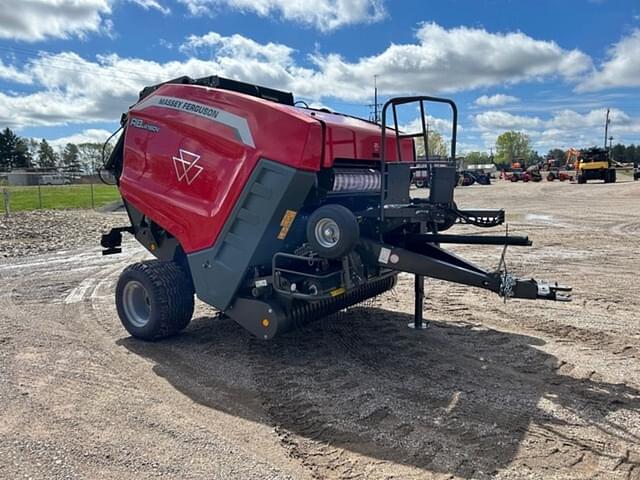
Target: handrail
(393, 102)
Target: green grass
(58, 196)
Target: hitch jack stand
(418, 320)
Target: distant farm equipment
(467, 178)
(559, 170)
(464, 178)
(562, 175)
(534, 173)
(595, 164)
(517, 175)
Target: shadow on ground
(458, 398)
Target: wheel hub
(327, 232)
(136, 303)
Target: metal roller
(356, 180)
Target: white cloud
(495, 100)
(152, 5)
(36, 20)
(561, 119)
(449, 60)
(440, 61)
(440, 125)
(324, 15)
(76, 90)
(320, 106)
(570, 119)
(33, 20)
(621, 69)
(499, 120)
(72, 89)
(238, 47)
(91, 135)
(12, 74)
(564, 128)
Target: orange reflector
(265, 322)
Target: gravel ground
(41, 231)
(522, 390)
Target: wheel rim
(136, 303)
(327, 233)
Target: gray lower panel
(250, 235)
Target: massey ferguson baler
(277, 214)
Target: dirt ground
(522, 390)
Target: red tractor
(557, 174)
(517, 175)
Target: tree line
(514, 147)
(19, 153)
(626, 153)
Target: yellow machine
(572, 159)
(594, 164)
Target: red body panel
(187, 160)
(352, 138)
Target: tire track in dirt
(626, 229)
(487, 392)
(378, 424)
(57, 289)
(75, 385)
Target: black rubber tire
(612, 175)
(170, 294)
(581, 179)
(347, 225)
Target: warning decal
(287, 219)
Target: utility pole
(374, 115)
(611, 149)
(375, 97)
(426, 140)
(606, 129)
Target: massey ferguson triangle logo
(186, 166)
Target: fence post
(39, 197)
(93, 201)
(5, 198)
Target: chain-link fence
(16, 199)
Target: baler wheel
(333, 231)
(154, 299)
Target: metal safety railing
(416, 165)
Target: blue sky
(547, 68)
